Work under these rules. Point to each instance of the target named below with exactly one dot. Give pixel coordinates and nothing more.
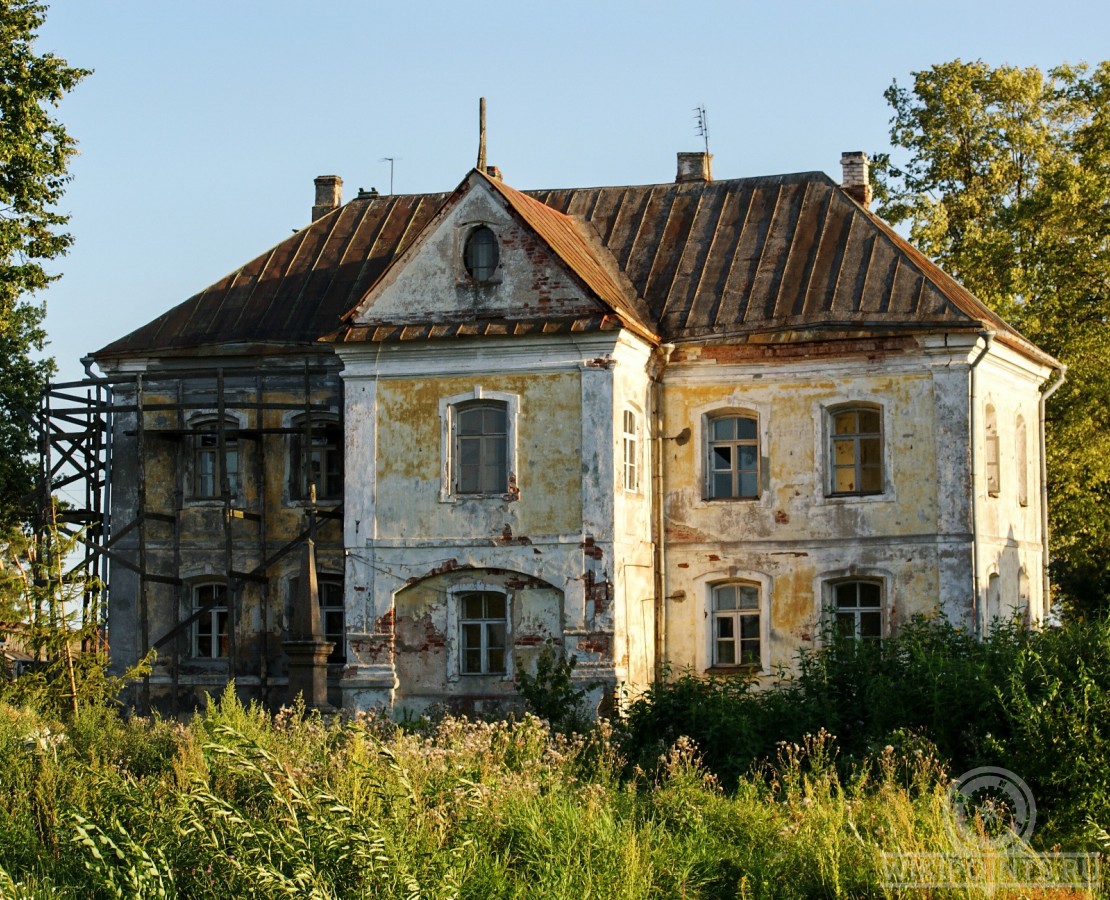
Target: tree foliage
(34, 152)
(1007, 185)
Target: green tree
(34, 152)
(1007, 185)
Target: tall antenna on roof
(391, 160)
(481, 135)
(703, 125)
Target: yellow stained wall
(409, 459)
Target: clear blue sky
(204, 122)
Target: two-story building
(696, 423)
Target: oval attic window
(481, 254)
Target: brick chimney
(857, 180)
(694, 167)
(329, 195)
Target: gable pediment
(431, 281)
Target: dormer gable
(492, 253)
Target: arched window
(206, 460)
(857, 608)
(732, 466)
(856, 450)
(481, 448)
(481, 254)
(990, 422)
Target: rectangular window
(319, 464)
(206, 463)
(210, 628)
(858, 609)
(481, 448)
(733, 457)
(631, 474)
(736, 626)
(483, 626)
(857, 451)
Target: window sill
(880, 497)
(750, 670)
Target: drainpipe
(658, 524)
(973, 402)
(1046, 586)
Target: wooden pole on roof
(481, 134)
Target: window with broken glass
(733, 457)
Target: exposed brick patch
(601, 362)
(419, 635)
(869, 347)
(781, 517)
(448, 566)
(597, 592)
(591, 549)
(597, 642)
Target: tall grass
(241, 804)
(710, 789)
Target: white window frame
(835, 611)
(706, 650)
(454, 630)
(737, 405)
(213, 619)
(630, 450)
(448, 416)
(710, 443)
(207, 420)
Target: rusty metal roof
(745, 257)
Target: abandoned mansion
(699, 424)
